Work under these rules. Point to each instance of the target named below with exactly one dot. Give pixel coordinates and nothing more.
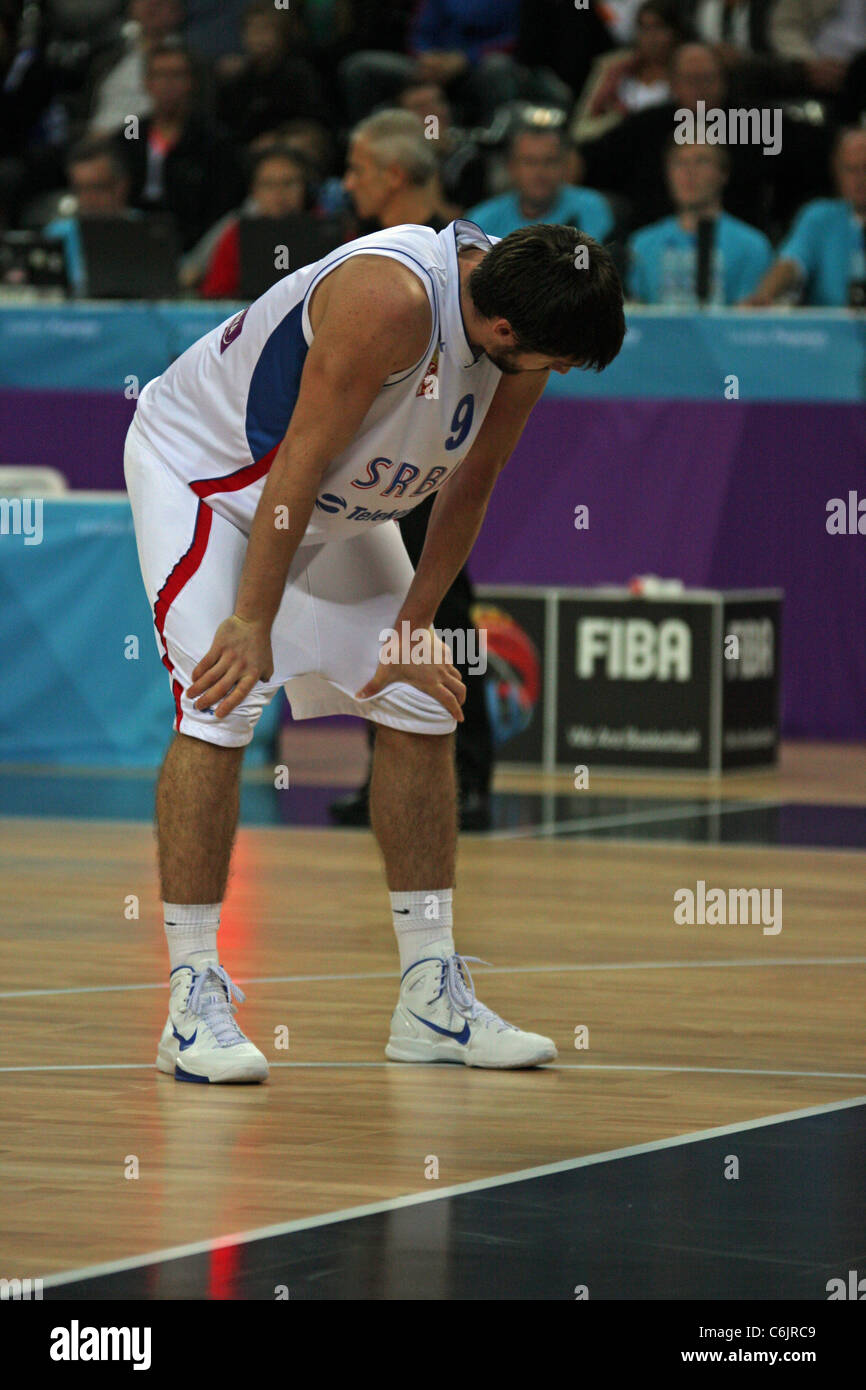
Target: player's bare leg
(197, 801)
(413, 808)
(413, 811)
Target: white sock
(191, 933)
(422, 920)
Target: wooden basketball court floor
(702, 1133)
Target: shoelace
(462, 997)
(216, 1009)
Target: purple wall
(79, 432)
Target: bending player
(264, 467)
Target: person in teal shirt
(539, 193)
(663, 258)
(824, 254)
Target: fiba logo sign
(633, 649)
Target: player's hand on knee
(427, 665)
(448, 678)
(239, 656)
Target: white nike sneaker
(438, 1019)
(201, 1041)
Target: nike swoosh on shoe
(462, 1037)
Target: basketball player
(264, 468)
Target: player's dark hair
(558, 302)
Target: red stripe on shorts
(180, 575)
(192, 558)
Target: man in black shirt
(178, 161)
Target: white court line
(572, 967)
(554, 1066)
(713, 1071)
(163, 984)
(550, 829)
(331, 1218)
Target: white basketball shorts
(339, 596)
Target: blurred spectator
(314, 141)
(824, 256)
(100, 185)
(179, 161)
(824, 34)
(735, 28)
(851, 102)
(536, 169)
(26, 91)
(213, 31)
(762, 189)
(620, 16)
(664, 259)
(26, 87)
(392, 172)
(118, 77)
(316, 144)
(462, 165)
(633, 79)
(464, 46)
(333, 30)
(554, 36)
(280, 187)
(739, 34)
(267, 84)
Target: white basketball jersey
(218, 414)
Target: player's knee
(234, 731)
(194, 739)
(406, 709)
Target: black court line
(576, 815)
(787, 825)
(673, 1223)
